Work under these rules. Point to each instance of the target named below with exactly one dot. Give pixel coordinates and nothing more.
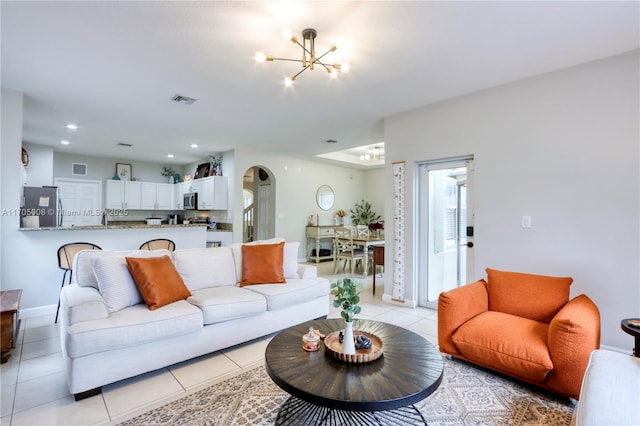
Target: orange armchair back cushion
(536, 297)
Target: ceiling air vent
(123, 144)
(183, 99)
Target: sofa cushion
(115, 282)
(205, 267)
(132, 326)
(506, 343)
(157, 280)
(262, 264)
(83, 274)
(536, 297)
(224, 303)
(294, 291)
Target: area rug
(467, 396)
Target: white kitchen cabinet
(121, 194)
(212, 193)
(178, 194)
(156, 196)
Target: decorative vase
(170, 179)
(348, 345)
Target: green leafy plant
(216, 161)
(167, 171)
(346, 293)
(361, 214)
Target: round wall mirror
(325, 197)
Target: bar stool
(157, 244)
(66, 253)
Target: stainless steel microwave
(190, 201)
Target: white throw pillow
(205, 267)
(115, 282)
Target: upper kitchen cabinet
(121, 194)
(212, 193)
(156, 196)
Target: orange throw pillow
(262, 264)
(536, 297)
(157, 280)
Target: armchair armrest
(573, 334)
(457, 306)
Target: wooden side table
(634, 331)
(9, 322)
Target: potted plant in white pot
(346, 293)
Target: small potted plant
(216, 164)
(346, 293)
(340, 214)
(169, 173)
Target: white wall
(561, 147)
(10, 170)
(40, 171)
(374, 191)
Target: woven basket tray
(333, 347)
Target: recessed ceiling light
(64, 142)
(194, 145)
(170, 155)
(72, 126)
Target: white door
(445, 227)
(80, 201)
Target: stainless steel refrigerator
(41, 207)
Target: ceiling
(112, 67)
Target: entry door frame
(422, 220)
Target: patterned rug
(467, 396)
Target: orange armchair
(522, 325)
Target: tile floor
(34, 389)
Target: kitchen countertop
(135, 225)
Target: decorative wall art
(397, 292)
(123, 171)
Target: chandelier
(309, 59)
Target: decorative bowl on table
(333, 347)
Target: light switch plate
(526, 222)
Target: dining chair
(345, 249)
(158, 244)
(66, 253)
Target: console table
(315, 235)
(9, 322)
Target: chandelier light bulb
(260, 57)
(345, 67)
(333, 73)
(287, 34)
(342, 43)
(288, 82)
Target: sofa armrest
(307, 271)
(574, 333)
(457, 306)
(79, 304)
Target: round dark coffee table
(634, 331)
(328, 391)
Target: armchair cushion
(506, 343)
(536, 297)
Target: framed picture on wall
(123, 171)
(202, 170)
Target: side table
(9, 322)
(634, 331)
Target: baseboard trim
(406, 303)
(616, 349)
(38, 311)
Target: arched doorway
(259, 204)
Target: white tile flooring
(34, 389)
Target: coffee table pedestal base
(295, 411)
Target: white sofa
(610, 392)
(108, 335)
